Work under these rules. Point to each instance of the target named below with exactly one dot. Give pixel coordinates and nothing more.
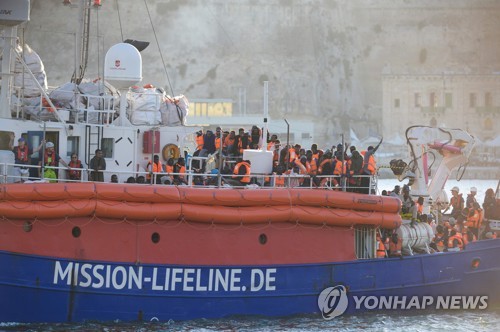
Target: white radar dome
(123, 66)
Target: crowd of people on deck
(467, 222)
(293, 165)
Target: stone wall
(323, 58)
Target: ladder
(93, 135)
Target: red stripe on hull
(179, 242)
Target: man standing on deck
(98, 165)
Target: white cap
(473, 190)
(455, 189)
(49, 145)
(451, 221)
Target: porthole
(76, 231)
(155, 237)
(262, 238)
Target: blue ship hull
(47, 289)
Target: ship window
(72, 145)
(107, 147)
(365, 242)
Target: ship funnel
(123, 66)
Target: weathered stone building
(325, 60)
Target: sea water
(443, 320)
(407, 322)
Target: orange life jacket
(23, 153)
(372, 165)
(279, 181)
(50, 159)
(395, 248)
(245, 178)
(340, 167)
(75, 174)
(217, 143)
(460, 242)
(382, 247)
(474, 218)
(157, 168)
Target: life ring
(170, 151)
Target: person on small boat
(489, 204)
(396, 192)
(114, 178)
(22, 153)
(74, 173)
(455, 241)
(97, 165)
(50, 160)
(456, 203)
(471, 198)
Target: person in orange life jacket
(468, 236)
(245, 142)
(218, 139)
(339, 167)
(208, 144)
(180, 167)
(474, 219)
(241, 172)
(275, 148)
(471, 198)
(230, 143)
(395, 245)
(50, 159)
(237, 141)
(272, 142)
(155, 167)
(312, 168)
(455, 241)
(22, 155)
(326, 168)
(169, 169)
(369, 166)
(199, 140)
(97, 165)
(75, 174)
(440, 239)
(456, 203)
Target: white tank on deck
(6, 157)
(14, 12)
(123, 66)
(417, 236)
(261, 162)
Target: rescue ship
(80, 250)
